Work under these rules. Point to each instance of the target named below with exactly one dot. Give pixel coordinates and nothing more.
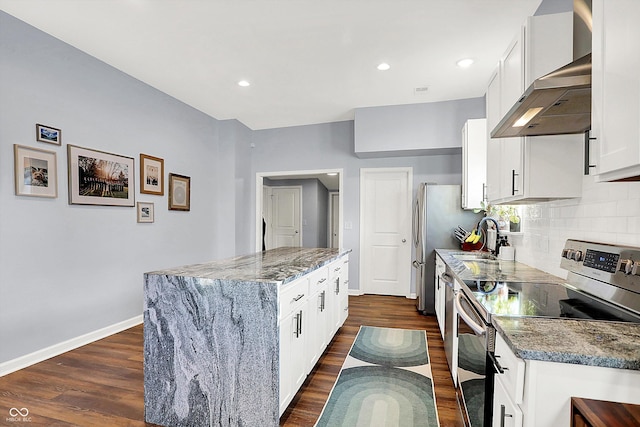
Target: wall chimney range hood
(559, 102)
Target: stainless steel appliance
(437, 212)
(603, 283)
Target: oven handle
(478, 329)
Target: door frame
(331, 220)
(298, 174)
(363, 171)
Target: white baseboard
(355, 292)
(56, 349)
(412, 295)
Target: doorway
(385, 230)
(334, 215)
(332, 179)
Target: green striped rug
(385, 381)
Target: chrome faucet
(497, 243)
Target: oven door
(475, 383)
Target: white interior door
(286, 217)
(385, 230)
(334, 220)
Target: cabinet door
(287, 325)
(474, 163)
(440, 302)
(512, 171)
(343, 294)
(505, 412)
(616, 87)
(494, 115)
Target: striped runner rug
(385, 381)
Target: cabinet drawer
(318, 278)
(505, 412)
(293, 295)
(513, 370)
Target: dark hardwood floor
(101, 384)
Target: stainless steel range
(603, 283)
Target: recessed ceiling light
(332, 173)
(244, 83)
(465, 63)
(384, 66)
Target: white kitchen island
(214, 333)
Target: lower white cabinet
(505, 412)
(544, 389)
(318, 317)
(312, 308)
(294, 308)
(439, 293)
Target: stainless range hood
(559, 102)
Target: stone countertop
(582, 342)
(503, 270)
(280, 265)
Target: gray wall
(69, 270)
(331, 146)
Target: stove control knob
(626, 266)
(569, 254)
(565, 253)
(577, 255)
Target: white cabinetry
(532, 168)
(474, 163)
(293, 314)
(318, 336)
(440, 300)
(615, 98)
(312, 308)
(534, 393)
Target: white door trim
(330, 217)
(363, 173)
(260, 180)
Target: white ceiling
(307, 61)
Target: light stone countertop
(584, 342)
(280, 265)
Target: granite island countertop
(583, 342)
(280, 265)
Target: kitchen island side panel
(211, 355)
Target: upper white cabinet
(615, 119)
(530, 169)
(474, 163)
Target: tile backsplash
(607, 212)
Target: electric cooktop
(543, 300)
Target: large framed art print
(99, 178)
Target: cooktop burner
(543, 300)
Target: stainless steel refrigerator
(436, 213)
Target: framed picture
(179, 192)
(145, 212)
(99, 178)
(151, 175)
(36, 172)
(48, 134)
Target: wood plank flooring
(101, 384)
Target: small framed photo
(48, 134)
(145, 212)
(99, 178)
(151, 175)
(179, 192)
(36, 172)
